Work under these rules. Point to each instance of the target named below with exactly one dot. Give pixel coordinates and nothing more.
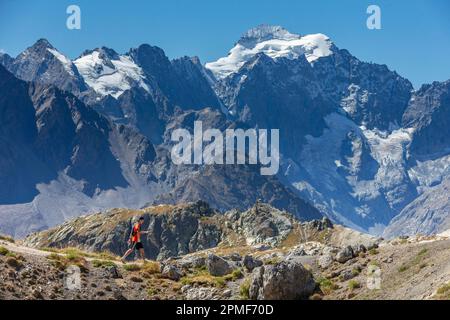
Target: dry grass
(62, 262)
(202, 277)
(103, 263)
(443, 293)
(132, 267)
(14, 262)
(244, 289)
(224, 250)
(160, 209)
(3, 251)
(293, 238)
(353, 285)
(150, 268)
(6, 238)
(327, 286)
(418, 261)
(76, 252)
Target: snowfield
(112, 78)
(280, 45)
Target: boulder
(344, 254)
(286, 280)
(332, 251)
(297, 252)
(358, 248)
(346, 275)
(325, 261)
(192, 262)
(218, 266)
(171, 272)
(261, 247)
(251, 263)
(236, 257)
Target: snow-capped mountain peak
(275, 42)
(109, 73)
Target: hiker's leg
(142, 252)
(127, 254)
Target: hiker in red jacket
(135, 240)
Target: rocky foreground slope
(261, 253)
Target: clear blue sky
(414, 41)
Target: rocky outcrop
(262, 224)
(173, 230)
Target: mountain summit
(275, 42)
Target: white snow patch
(282, 45)
(107, 80)
(388, 149)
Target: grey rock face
(428, 214)
(228, 187)
(287, 280)
(75, 138)
(48, 132)
(173, 231)
(182, 81)
(262, 224)
(428, 113)
(218, 266)
(371, 94)
(278, 94)
(20, 167)
(225, 187)
(6, 60)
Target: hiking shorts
(137, 246)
